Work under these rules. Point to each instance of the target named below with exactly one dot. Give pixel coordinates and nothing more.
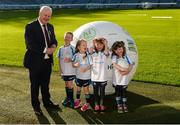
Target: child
(98, 72)
(120, 74)
(66, 70)
(82, 61)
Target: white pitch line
(137, 14)
(161, 17)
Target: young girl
(120, 74)
(98, 72)
(82, 61)
(67, 72)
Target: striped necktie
(46, 35)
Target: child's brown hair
(78, 44)
(101, 41)
(116, 45)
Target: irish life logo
(89, 34)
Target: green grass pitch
(157, 39)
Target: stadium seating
(166, 3)
(96, 1)
(112, 3)
(16, 2)
(131, 3)
(58, 1)
(37, 1)
(81, 1)
(67, 2)
(178, 3)
(48, 1)
(152, 1)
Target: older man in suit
(40, 45)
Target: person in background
(40, 46)
(67, 71)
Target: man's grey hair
(45, 8)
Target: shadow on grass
(42, 119)
(55, 116)
(141, 110)
(53, 113)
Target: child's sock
(71, 97)
(87, 96)
(118, 100)
(124, 100)
(67, 92)
(96, 96)
(78, 94)
(102, 94)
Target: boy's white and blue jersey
(84, 62)
(66, 52)
(99, 67)
(119, 79)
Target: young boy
(65, 54)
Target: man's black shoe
(38, 111)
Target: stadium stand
(16, 1)
(58, 1)
(131, 3)
(37, 1)
(90, 4)
(67, 2)
(166, 3)
(113, 1)
(151, 1)
(81, 2)
(178, 3)
(96, 1)
(47, 1)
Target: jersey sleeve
(58, 53)
(90, 60)
(114, 59)
(128, 60)
(74, 58)
(72, 49)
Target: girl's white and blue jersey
(66, 52)
(84, 62)
(99, 67)
(119, 79)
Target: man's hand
(51, 50)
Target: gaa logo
(89, 34)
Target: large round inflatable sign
(112, 32)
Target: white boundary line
(161, 17)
